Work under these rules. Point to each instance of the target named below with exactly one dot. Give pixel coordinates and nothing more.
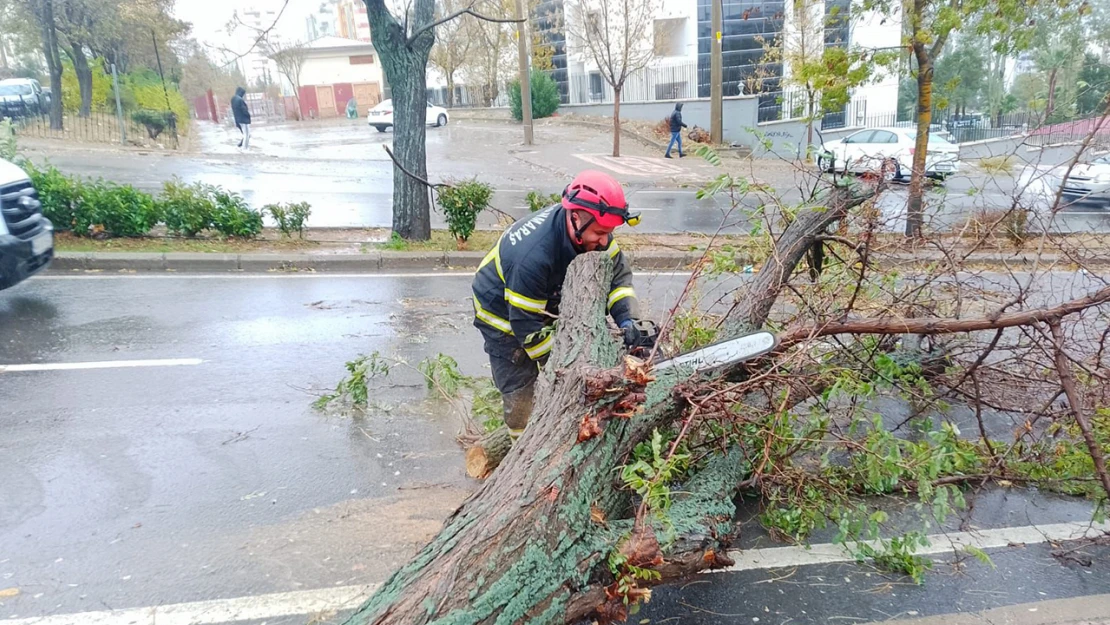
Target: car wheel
(380, 128)
(441, 120)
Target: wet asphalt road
(147, 486)
(342, 170)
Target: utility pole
(716, 79)
(525, 74)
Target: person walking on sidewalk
(242, 116)
(518, 286)
(676, 131)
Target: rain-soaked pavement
(147, 486)
(340, 168)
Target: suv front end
(26, 236)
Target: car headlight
(1103, 178)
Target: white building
(334, 71)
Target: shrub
(187, 209)
(117, 210)
(101, 87)
(461, 202)
(60, 195)
(545, 96)
(9, 146)
(290, 217)
(154, 121)
(538, 201)
(232, 216)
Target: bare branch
(466, 11)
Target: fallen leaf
(8, 593)
(597, 515)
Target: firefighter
(518, 285)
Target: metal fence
(476, 96)
(652, 84)
(98, 127)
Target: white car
(889, 150)
(1088, 180)
(381, 116)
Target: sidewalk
(1089, 610)
(374, 261)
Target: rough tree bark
(81, 67)
(405, 60)
(532, 542)
(44, 15)
(915, 210)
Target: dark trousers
(514, 374)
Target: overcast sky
(209, 17)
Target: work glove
(640, 335)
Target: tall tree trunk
(44, 11)
(84, 76)
(532, 544)
(405, 63)
(915, 206)
(450, 89)
(1050, 106)
(616, 121)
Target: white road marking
(104, 364)
(780, 557)
(217, 611)
(631, 165)
(349, 597)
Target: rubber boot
(517, 409)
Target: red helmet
(601, 196)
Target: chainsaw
(720, 354)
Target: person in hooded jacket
(676, 131)
(242, 115)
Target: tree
(618, 37)
(1094, 85)
(290, 60)
(490, 59)
(454, 41)
(1058, 54)
(199, 73)
(404, 45)
(929, 25)
(826, 74)
(43, 12)
(960, 76)
(625, 478)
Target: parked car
(26, 237)
(21, 97)
(1087, 181)
(889, 150)
(381, 116)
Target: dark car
(26, 236)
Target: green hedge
(545, 96)
(99, 208)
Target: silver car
(1087, 181)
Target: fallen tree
(578, 521)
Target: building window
(364, 59)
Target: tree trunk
(450, 89)
(532, 544)
(405, 63)
(1050, 105)
(45, 14)
(616, 121)
(487, 453)
(84, 77)
(915, 207)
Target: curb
(400, 262)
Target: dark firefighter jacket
(518, 285)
